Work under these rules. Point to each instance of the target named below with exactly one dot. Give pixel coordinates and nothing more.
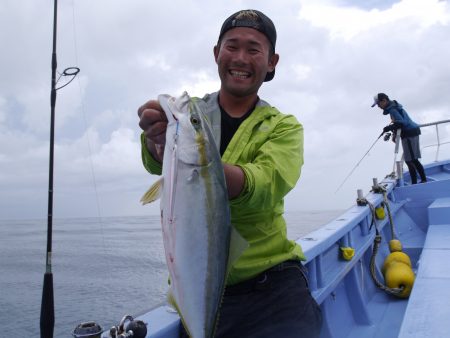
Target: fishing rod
(47, 319)
(357, 164)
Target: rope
(379, 189)
(391, 175)
(376, 244)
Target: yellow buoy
(396, 256)
(399, 275)
(347, 252)
(397, 270)
(379, 212)
(395, 245)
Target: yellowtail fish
(195, 216)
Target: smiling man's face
(243, 61)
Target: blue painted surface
(162, 322)
(428, 311)
(352, 305)
(439, 211)
(355, 307)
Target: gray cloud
(129, 52)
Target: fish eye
(195, 120)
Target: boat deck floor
(428, 312)
(387, 315)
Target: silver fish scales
(195, 216)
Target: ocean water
(102, 269)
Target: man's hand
(153, 122)
(388, 128)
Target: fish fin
(154, 192)
(237, 247)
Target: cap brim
(374, 104)
(269, 76)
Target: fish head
(188, 130)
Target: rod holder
(375, 183)
(361, 201)
(360, 194)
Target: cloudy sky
(334, 56)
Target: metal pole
(397, 146)
(401, 181)
(438, 143)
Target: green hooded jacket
(268, 146)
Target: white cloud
(302, 71)
(158, 61)
(2, 110)
(347, 22)
(200, 84)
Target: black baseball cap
(253, 19)
(377, 98)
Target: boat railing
(439, 142)
(437, 145)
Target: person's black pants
(277, 303)
(415, 166)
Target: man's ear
(273, 60)
(216, 52)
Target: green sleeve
(275, 169)
(152, 166)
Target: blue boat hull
(351, 303)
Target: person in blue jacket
(410, 132)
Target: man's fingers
(153, 122)
(160, 151)
(156, 133)
(152, 106)
(149, 117)
(153, 128)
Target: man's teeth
(242, 75)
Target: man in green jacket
(267, 292)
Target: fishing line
(88, 141)
(83, 110)
(357, 164)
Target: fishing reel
(387, 136)
(133, 329)
(87, 330)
